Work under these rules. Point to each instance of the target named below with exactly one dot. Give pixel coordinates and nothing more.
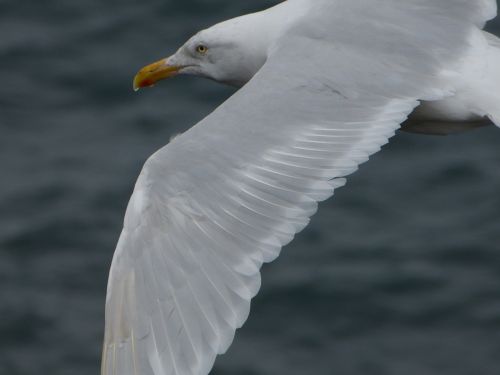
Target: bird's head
(229, 52)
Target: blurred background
(399, 274)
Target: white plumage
(337, 79)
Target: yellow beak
(151, 74)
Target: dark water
(400, 274)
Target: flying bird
(324, 85)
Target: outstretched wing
(215, 204)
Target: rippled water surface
(399, 274)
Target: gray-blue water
(399, 274)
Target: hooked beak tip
(151, 74)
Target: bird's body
(325, 85)
(475, 95)
(475, 100)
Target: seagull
(324, 84)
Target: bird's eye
(202, 49)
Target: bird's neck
(258, 32)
